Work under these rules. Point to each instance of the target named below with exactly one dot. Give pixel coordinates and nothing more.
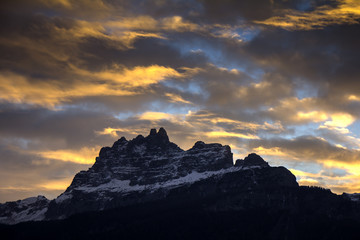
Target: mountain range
(149, 187)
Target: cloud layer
(279, 78)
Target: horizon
(275, 78)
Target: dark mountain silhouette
(149, 187)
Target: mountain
(136, 186)
(353, 197)
(147, 169)
(29, 209)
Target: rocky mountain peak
(199, 145)
(252, 160)
(158, 138)
(29, 209)
(152, 132)
(119, 142)
(152, 159)
(151, 168)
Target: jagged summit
(152, 168)
(158, 139)
(150, 184)
(151, 159)
(162, 134)
(251, 160)
(154, 143)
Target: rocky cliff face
(152, 159)
(29, 209)
(152, 168)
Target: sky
(276, 77)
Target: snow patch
(63, 197)
(124, 186)
(354, 196)
(24, 216)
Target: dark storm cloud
(309, 148)
(24, 174)
(231, 11)
(320, 56)
(36, 181)
(24, 162)
(71, 128)
(97, 53)
(337, 137)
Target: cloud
(313, 116)
(117, 82)
(26, 175)
(83, 155)
(76, 75)
(340, 120)
(332, 178)
(307, 148)
(220, 134)
(154, 116)
(177, 23)
(347, 12)
(176, 98)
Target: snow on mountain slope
(140, 170)
(29, 209)
(353, 197)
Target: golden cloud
(19, 89)
(240, 125)
(275, 151)
(354, 98)
(136, 77)
(134, 23)
(347, 12)
(221, 134)
(313, 116)
(344, 159)
(85, 155)
(345, 183)
(175, 98)
(176, 23)
(148, 23)
(126, 36)
(340, 120)
(154, 116)
(55, 184)
(110, 131)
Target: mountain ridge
(151, 169)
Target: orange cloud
(354, 98)
(176, 98)
(148, 23)
(348, 183)
(313, 116)
(214, 119)
(56, 184)
(117, 82)
(154, 116)
(230, 134)
(18, 89)
(176, 23)
(134, 23)
(275, 151)
(340, 120)
(85, 155)
(347, 12)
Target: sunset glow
(279, 78)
